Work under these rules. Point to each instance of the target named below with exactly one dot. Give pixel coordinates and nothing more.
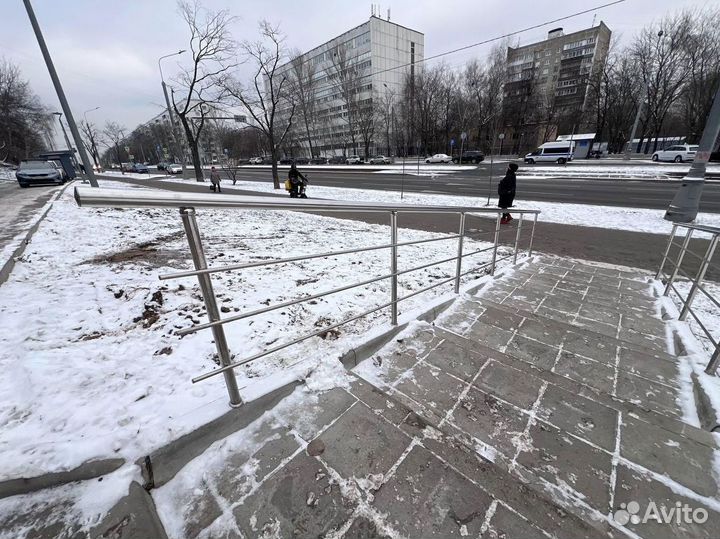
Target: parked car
(126, 167)
(678, 153)
(470, 156)
(337, 160)
(39, 171)
(173, 168)
(558, 152)
(379, 160)
(319, 161)
(439, 158)
(140, 168)
(161, 165)
(256, 160)
(354, 160)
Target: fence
(704, 260)
(188, 203)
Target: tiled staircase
(560, 375)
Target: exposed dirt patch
(154, 253)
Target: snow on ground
(90, 365)
(135, 176)
(7, 175)
(653, 171)
(409, 166)
(614, 217)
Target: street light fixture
(67, 140)
(175, 138)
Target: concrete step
(586, 450)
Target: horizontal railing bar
(479, 251)
(143, 198)
(686, 275)
(287, 344)
(697, 256)
(702, 326)
(417, 292)
(270, 308)
(425, 266)
(716, 302)
(247, 265)
(702, 228)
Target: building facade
(350, 76)
(547, 85)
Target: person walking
(506, 192)
(215, 180)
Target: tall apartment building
(546, 90)
(378, 54)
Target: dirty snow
(90, 365)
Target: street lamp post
(173, 127)
(93, 148)
(67, 140)
(89, 172)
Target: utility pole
(173, 127)
(89, 172)
(684, 207)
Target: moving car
(337, 160)
(558, 152)
(39, 171)
(354, 160)
(439, 158)
(140, 168)
(256, 160)
(379, 160)
(678, 153)
(173, 168)
(470, 156)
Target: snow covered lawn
(614, 217)
(90, 365)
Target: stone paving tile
(542, 332)
(362, 528)
(593, 373)
(596, 327)
(452, 507)
(456, 360)
(585, 418)
(501, 318)
(652, 368)
(635, 486)
(600, 313)
(651, 395)
(655, 343)
(519, 304)
(488, 335)
(360, 444)
(378, 401)
(561, 304)
(539, 354)
(665, 453)
(302, 501)
(509, 384)
(568, 462)
(507, 524)
(430, 386)
(484, 417)
(319, 410)
(597, 347)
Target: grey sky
(106, 51)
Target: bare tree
(197, 94)
(92, 139)
(115, 134)
(269, 92)
(303, 86)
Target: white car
(679, 153)
(256, 160)
(173, 169)
(379, 160)
(354, 160)
(439, 158)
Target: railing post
(517, 238)
(206, 287)
(712, 367)
(393, 269)
(667, 251)
(458, 266)
(700, 276)
(495, 243)
(532, 236)
(678, 263)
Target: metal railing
(188, 202)
(704, 260)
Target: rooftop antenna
(388, 14)
(593, 23)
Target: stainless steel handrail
(696, 280)
(188, 202)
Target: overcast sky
(106, 51)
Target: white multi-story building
(350, 73)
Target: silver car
(39, 171)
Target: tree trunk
(276, 179)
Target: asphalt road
(634, 249)
(627, 193)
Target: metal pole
(517, 238)
(628, 146)
(712, 367)
(173, 126)
(89, 172)
(700, 276)
(205, 281)
(532, 236)
(393, 268)
(667, 252)
(458, 266)
(62, 125)
(678, 263)
(684, 207)
(495, 244)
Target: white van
(558, 152)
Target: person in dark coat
(506, 192)
(297, 179)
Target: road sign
(463, 135)
(501, 136)
(131, 157)
(452, 142)
(127, 149)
